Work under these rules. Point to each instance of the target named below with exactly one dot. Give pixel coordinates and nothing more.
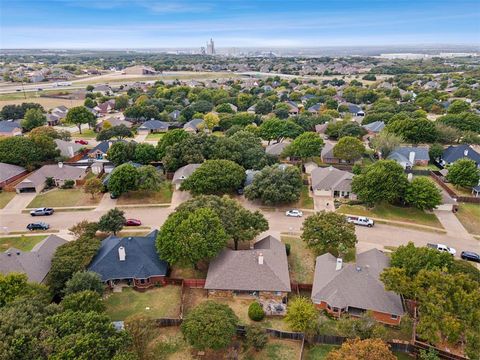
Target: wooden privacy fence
(452, 193)
(166, 322)
(442, 354)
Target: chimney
(411, 157)
(70, 151)
(260, 259)
(465, 152)
(339, 264)
(109, 144)
(60, 165)
(121, 253)
(410, 177)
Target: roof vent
(339, 264)
(465, 152)
(359, 269)
(9, 254)
(18, 252)
(121, 253)
(60, 165)
(260, 259)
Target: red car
(133, 222)
(83, 142)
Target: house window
(335, 309)
(142, 281)
(394, 317)
(278, 293)
(329, 307)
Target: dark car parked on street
(38, 226)
(470, 255)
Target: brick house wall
(269, 295)
(262, 295)
(151, 281)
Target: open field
(5, 197)
(17, 98)
(390, 212)
(161, 302)
(64, 198)
(24, 243)
(163, 196)
(301, 260)
(469, 216)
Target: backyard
(163, 196)
(64, 198)
(301, 260)
(154, 136)
(86, 134)
(5, 197)
(396, 213)
(155, 303)
(24, 243)
(469, 216)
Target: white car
(294, 213)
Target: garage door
(27, 190)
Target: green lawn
(301, 260)
(5, 197)
(24, 243)
(318, 352)
(162, 302)
(428, 167)
(154, 136)
(460, 190)
(469, 216)
(163, 196)
(86, 134)
(390, 212)
(306, 201)
(277, 349)
(64, 198)
(403, 356)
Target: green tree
(301, 314)
(416, 131)
(191, 237)
(307, 145)
(276, 129)
(84, 280)
(383, 181)
(148, 178)
(33, 119)
(121, 102)
(385, 142)
(263, 107)
(23, 151)
(368, 349)
(80, 115)
(145, 154)
(463, 172)
(363, 327)
(170, 138)
(112, 221)
(215, 177)
(84, 229)
(255, 311)
(86, 300)
(435, 151)
(14, 286)
(211, 120)
(349, 148)
(141, 330)
(458, 106)
(328, 232)
(93, 186)
(256, 337)
(275, 185)
(464, 121)
(210, 326)
(121, 152)
(423, 194)
(119, 132)
(123, 178)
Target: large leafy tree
(423, 194)
(275, 185)
(15, 112)
(211, 120)
(14, 286)
(385, 142)
(263, 107)
(123, 179)
(119, 132)
(23, 151)
(86, 300)
(93, 186)
(112, 222)
(170, 138)
(80, 115)
(191, 237)
(149, 178)
(349, 148)
(145, 153)
(463, 172)
(383, 181)
(190, 150)
(210, 326)
(33, 119)
(368, 349)
(307, 145)
(84, 280)
(239, 223)
(215, 177)
(301, 314)
(328, 232)
(414, 130)
(276, 129)
(464, 121)
(121, 152)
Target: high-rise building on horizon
(210, 47)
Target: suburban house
(292, 108)
(105, 107)
(102, 89)
(354, 289)
(454, 153)
(9, 173)
(59, 173)
(130, 260)
(10, 128)
(68, 149)
(183, 173)
(276, 149)
(153, 126)
(261, 272)
(53, 120)
(57, 115)
(175, 115)
(308, 167)
(354, 110)
(114, 121)
(327, 155)
(374, 128)
(410, 156)
(314, 108)
(34, 263)
(332, 182)
(321, 128)
(192, 126)
(99, 152)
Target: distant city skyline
(95, 24)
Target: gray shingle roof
(154, 125)
(141, 259)
(375, 126)
(8, 171)
(8, 126)
(240, 270)
(355, 285)
(66, 172)
(193, 124)
(276, 149)
(331, 179)
(184, 172)
(453, 153)
(68, 148)
(35, 263)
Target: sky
(97, 24)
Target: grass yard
(154, 136)
(318, 352)
(5, 197)
(469, 216)
(86, 134)
(163, 302)
(301, 260)
(163, 196)
(24, 243)
(306, 201)
(64, 198)
(277, 349)
(460, 190)
(170, 344)
(403, 356)
(428, 167)
(390, 212)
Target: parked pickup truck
(442, 248)
(360, 220)
(42, 211)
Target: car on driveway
(294, 213)
(470, 255)
(42, 212)
(132, 222)
(38, 226)
(81, 142)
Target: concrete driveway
(18, 203)
(179, 197)
(106, 203)
(322, 203)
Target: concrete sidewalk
(452, 225)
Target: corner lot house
(332, 182)
(410, 156)
(261, 272)
(35, 263)
(10, 173)
(183, 173)
(454, 153)
(130, 260)
(60, 173)
(354, 289)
